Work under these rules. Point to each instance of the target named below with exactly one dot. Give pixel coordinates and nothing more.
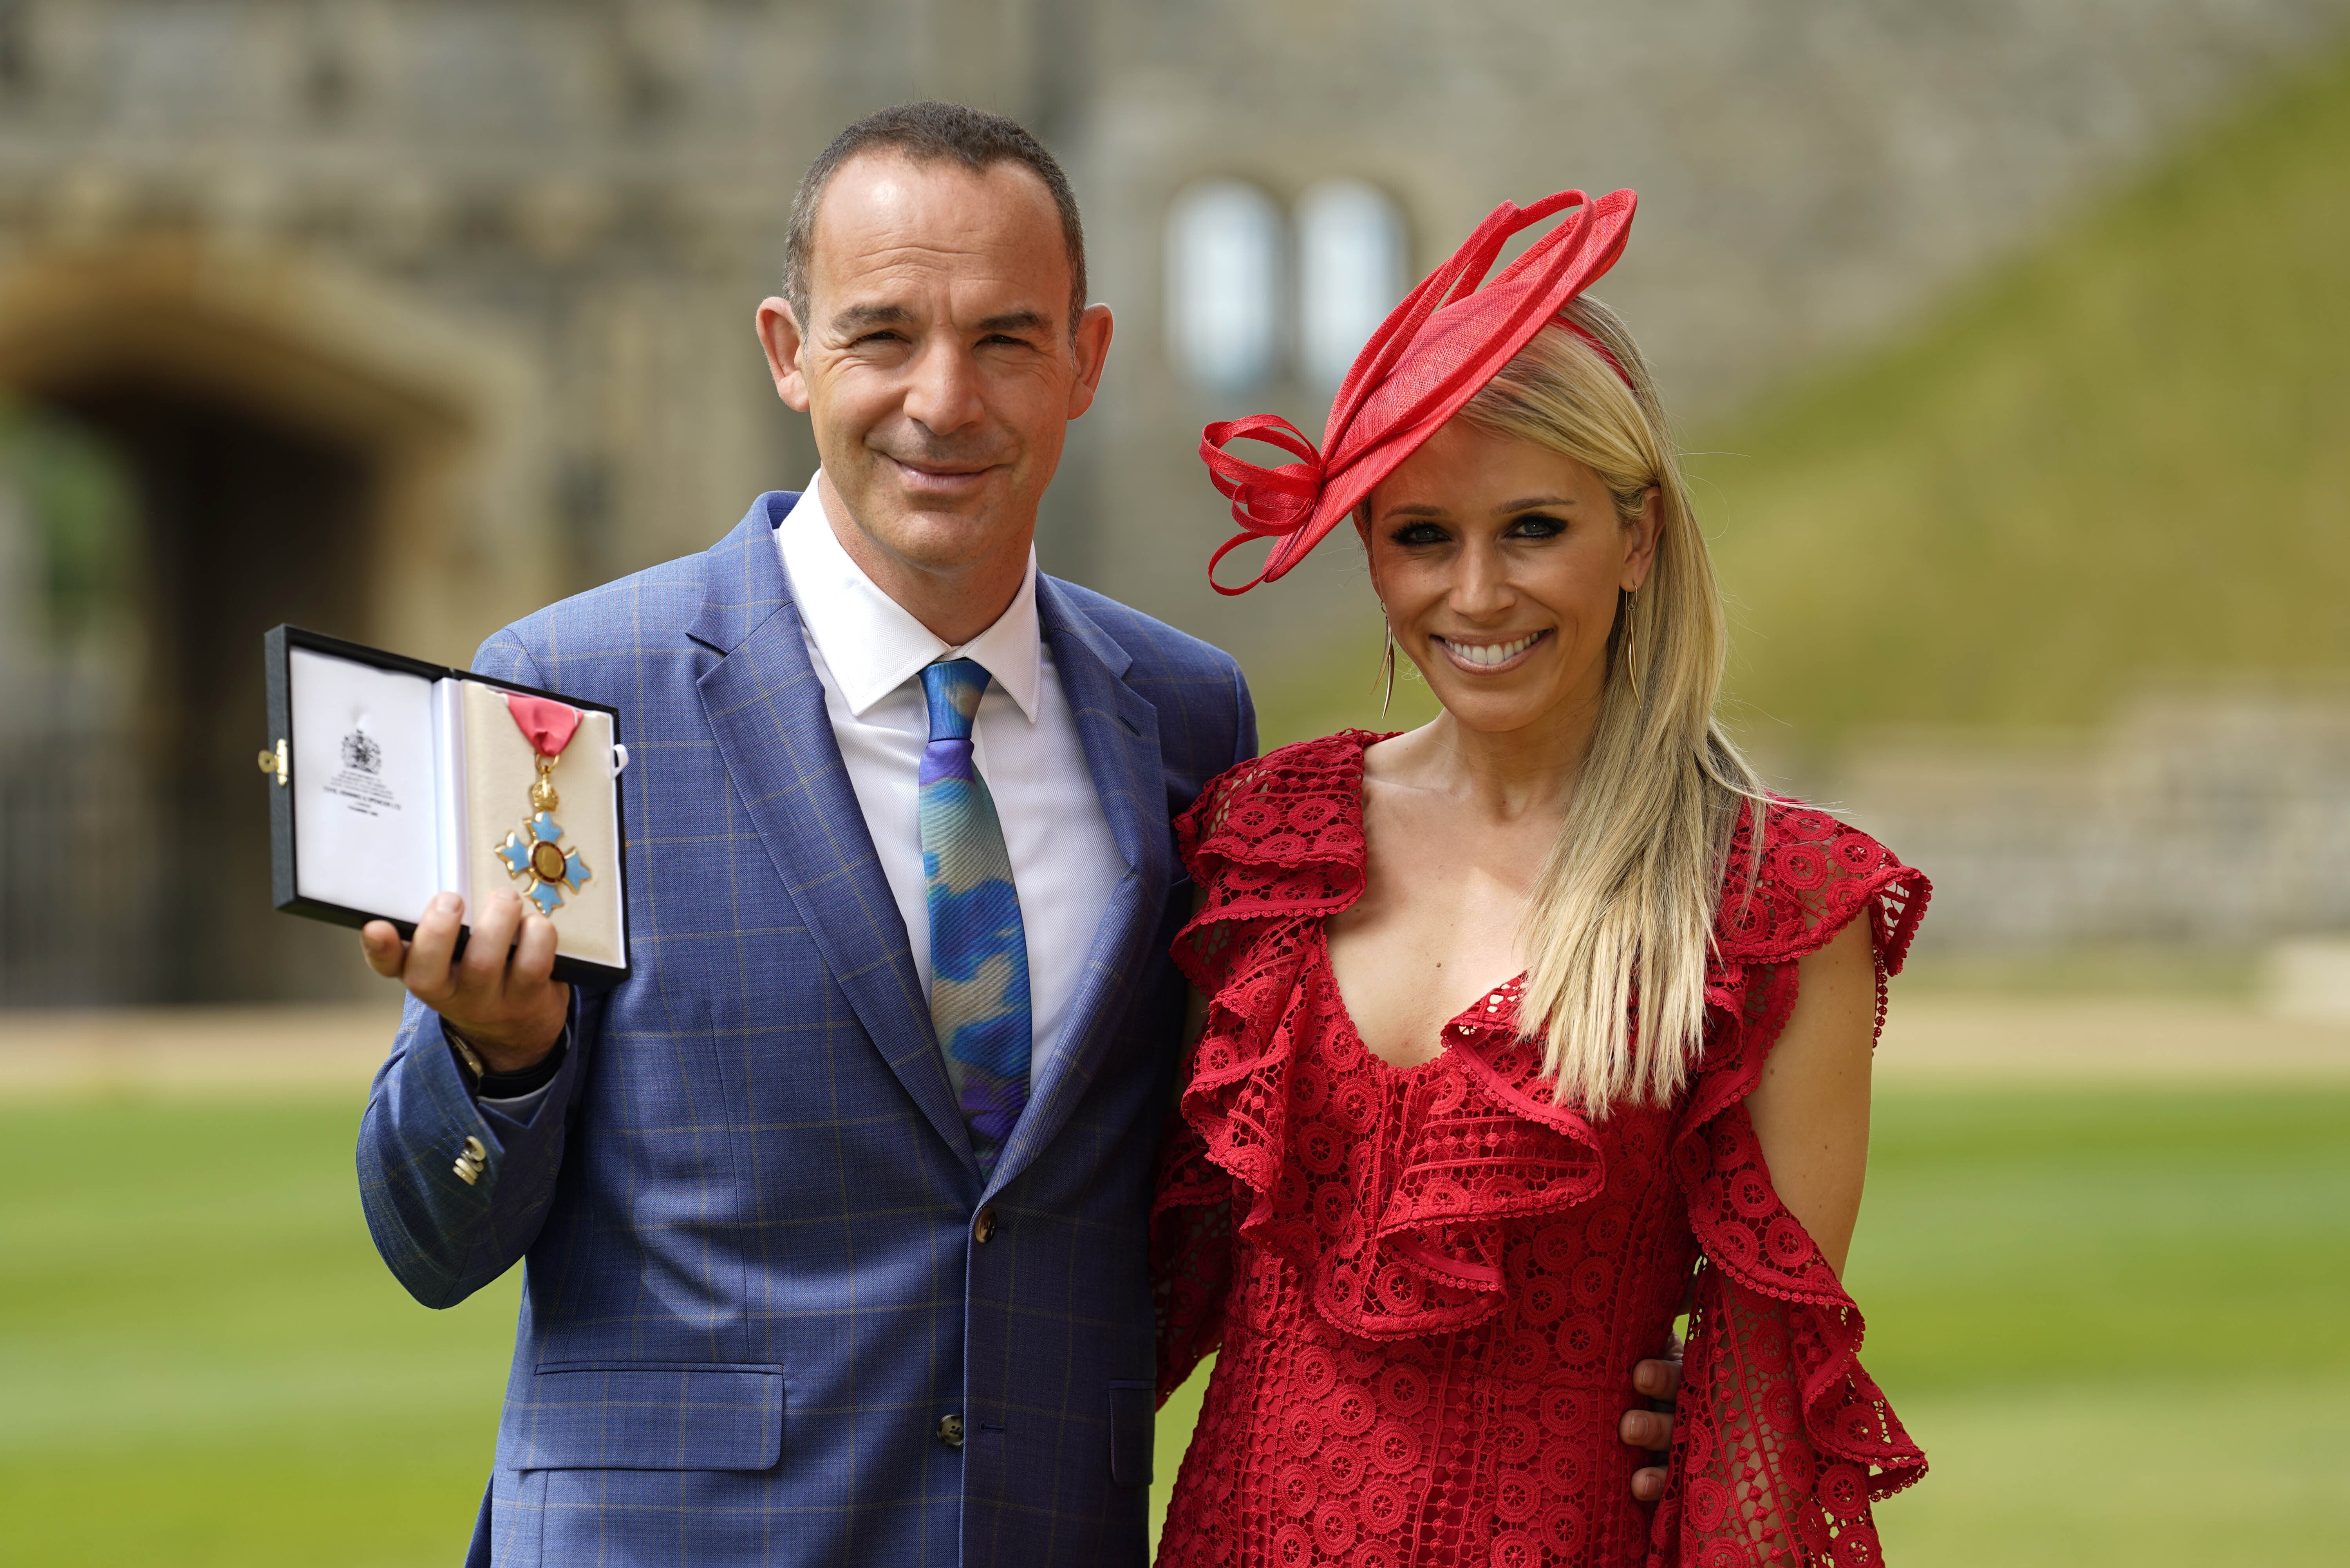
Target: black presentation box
(392, 780)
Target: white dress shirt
(868, 653)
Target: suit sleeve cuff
(516, 1094)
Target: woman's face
(1498, 563)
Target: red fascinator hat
(1433, 353)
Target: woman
(1433, 1225)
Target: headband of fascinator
(1434, 352)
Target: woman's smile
(1489, 658)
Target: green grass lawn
(2123, 454)
(2116, 1322)
(202, 1360)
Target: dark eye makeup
(1534, 525)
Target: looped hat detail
(1434, 352)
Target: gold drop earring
(1387, 663)
(1631, 650)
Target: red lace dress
(1429, 1285)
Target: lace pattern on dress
(1269, 843)
(1456, 1206)
(1783, 1440)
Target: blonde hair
(1623, 913)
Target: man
(835, 1211)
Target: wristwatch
(467, 1057)
(486, 1085)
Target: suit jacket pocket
(648, 1416)
(1131, 1417)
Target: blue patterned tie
(979, 952)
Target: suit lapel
(1120, 731)
(765, 708)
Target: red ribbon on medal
(536, 856)
(547, 725)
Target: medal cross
(536, 856)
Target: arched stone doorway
(244, 521)
(288, 464)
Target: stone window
(1224, 288)
(1350, 274)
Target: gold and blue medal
(534, 854)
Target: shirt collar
(871, 644)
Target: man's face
(937, 364)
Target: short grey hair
(932, 132)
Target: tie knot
(953, 687)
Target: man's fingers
(427, 971)
(1650, 1429)
(1657, 1379)
(386, 954)
(482, 970)
(533, 958)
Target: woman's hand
(1810, 1109)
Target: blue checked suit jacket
(752, 1286)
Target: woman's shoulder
(1302, 767)
(1282, 832)
(1322, 779)
(1793, 882)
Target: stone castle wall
(593, 190)
(2217, 819)
(485, 270)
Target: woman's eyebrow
(1524, 504)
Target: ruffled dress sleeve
(1271, 845)
(1782, 1441)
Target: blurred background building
(2010, 337)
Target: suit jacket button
(470, 1160)
(983, 1225)
(950, 1431)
